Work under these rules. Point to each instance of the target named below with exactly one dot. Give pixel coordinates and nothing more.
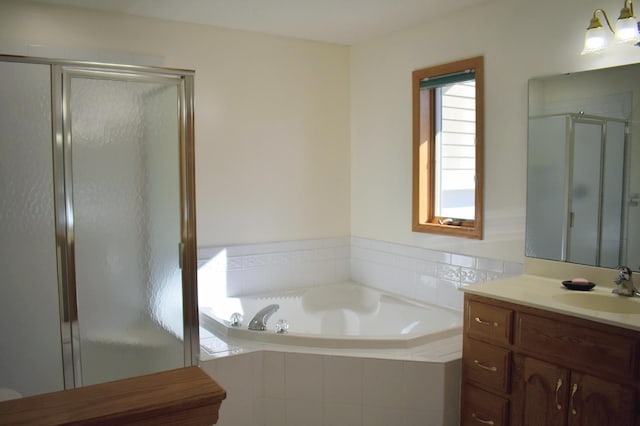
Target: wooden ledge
(186, 396)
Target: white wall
(519, 40)
(272, 114)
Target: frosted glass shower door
(31, 357)
(125, 156)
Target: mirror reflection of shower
(576, 189)
(602, 99)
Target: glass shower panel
(546, 195)
(584, 234)
(31, 356)
(126, 214)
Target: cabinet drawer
(489, 321)
(487, 365)
(482, 408)
(576, 346)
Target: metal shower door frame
(61, 74)
(601, 121)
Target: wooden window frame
(423, 164)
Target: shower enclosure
(575, 187)
(97, 223)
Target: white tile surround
(314, 387)
(258, 268)
(426, 275)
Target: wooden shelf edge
(187, 395)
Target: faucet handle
(623, 275)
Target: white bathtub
(345, 315)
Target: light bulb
(627, 30)
(595, 40)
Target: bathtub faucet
(259, 321)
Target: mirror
(447, 148)
(583, 168)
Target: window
(447, 148)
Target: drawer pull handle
(574, 389)
(483, 322)
(483, 421)
(558, 386)
(484, 367)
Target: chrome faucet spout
(624, 283)
(259, 321)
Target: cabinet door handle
(574, 389)
(485, 367)
(558, 386)
(483, 322)
(480, 420)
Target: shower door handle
(180, 254)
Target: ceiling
(334, 21)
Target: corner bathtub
(346, 315)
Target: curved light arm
(596, 23)
(627, 10)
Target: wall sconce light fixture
(598, 37)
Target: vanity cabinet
(554, 396)
(523, 366)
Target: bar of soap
(580, 281)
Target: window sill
(462, 230)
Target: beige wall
(272, 115)
(519, 40)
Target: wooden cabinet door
(545, 390)
(597, 402)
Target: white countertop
(540, 292)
